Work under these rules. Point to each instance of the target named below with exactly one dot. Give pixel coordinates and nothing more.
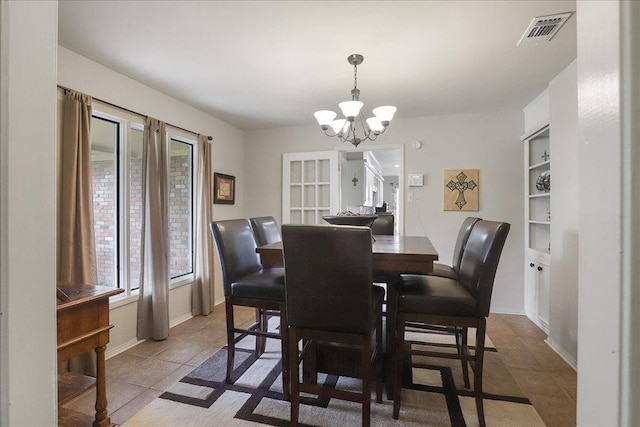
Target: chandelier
(346, 129)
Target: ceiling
(265, 64)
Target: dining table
(391, 257)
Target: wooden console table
(83, 325)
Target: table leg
(102, 420)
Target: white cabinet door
(543, 294)
(537, 285)
(310, 186)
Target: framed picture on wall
(224, 189)
(461, 188)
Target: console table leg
(102, 420)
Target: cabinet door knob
(539, 268)
(532, 265)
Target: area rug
(434, 394)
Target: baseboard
(121, 348)
(516, 313)
(180, 319)
(565, 356)
(131, 343)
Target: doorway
(372, 178)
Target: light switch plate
(415, 180)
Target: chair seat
(443, 270)
(435, 295)
(267, 283)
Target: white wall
(563, 294)
(536, 114)
(79, 73)
(28, 392)
(608, 316)
(352, 195)
(489, 142)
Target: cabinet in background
(537, 164)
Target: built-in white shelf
(540, 165)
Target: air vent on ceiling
(543, 28)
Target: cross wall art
(461, 188)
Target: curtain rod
(210, 138)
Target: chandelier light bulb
(325, 117)
(351, 109)
(385, 113)
(339, 126)
(375, 125)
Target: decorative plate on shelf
(543, 183)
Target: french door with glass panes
(310, 187)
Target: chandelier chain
(355, 77)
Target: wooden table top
(78, 294)
(391, 254)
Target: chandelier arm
(328, 134)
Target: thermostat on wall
(415, 180)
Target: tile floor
(137, 376)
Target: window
(116, 159)
(180, 208)
(105, 140)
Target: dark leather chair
(331, 301)
(383, 224)
(247, 283)
(443, 270)
(451, 271)
(265, 229)
(458, 303)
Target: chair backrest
(236, 249)
(383, 224)
(461, 241)
(265, 229)
(328, 277)
(480, 261)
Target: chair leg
(284, 337)
(261, 341)
(231, 346)
(393, 284)
(365, 369)
(294, 375)
(399, 349)
(477, 370)
(265, 328)
(310, 362)
(463, 348)
(378, 361)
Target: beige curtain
(202, 293)
(77, 241)
(153, 304)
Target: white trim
(537, 130)
(565, 356)
(114, 351)
(180, 319)
(121, 348)
(115, 302)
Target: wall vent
(543, 28)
